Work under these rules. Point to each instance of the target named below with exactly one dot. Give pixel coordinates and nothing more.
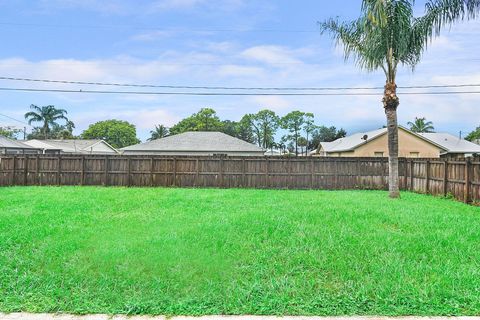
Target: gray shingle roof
(197, 141)
(451, 143)
(10, 143)
(351, 142)
(67, 145)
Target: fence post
(359, 182)
(197, 172)
(289, 181)
(105, 181)
(14, 169)
(412, 170)
(466, 193)
(312, 173)
(37, 170)
(427, 177)
(175, 171)
(244, 176)
(151, 171)
(445, 177)
(82, 173)
(220, 174)
(335, 172)
(25, 170)
(129, 171)
(405, 174)
(267, 174)
(59, 169)
(385, 172)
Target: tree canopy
(9, 132)
(263, 128)
(264, 125)
(204, 120)
(421, 125)
(117, 133)
(293, 122)
(48, 117)
(326, 134)
(159, 132)
(474, 135)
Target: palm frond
(440, 13)
(35, 108)
(357, 43)
(33, 117)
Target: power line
(233, 88)
(157, 28)
(20, 121)
(230, 93)
(180, 87)
(132, 64)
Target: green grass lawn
(205, 251)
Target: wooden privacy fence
(460, 178)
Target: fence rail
(460, 178)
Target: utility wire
(157, 28)
(231, 93)
(20, 121)
(233, 88)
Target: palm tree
(387, 35)
(421, 125)
(160, 132)
(48, 115)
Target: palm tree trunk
(45, 130)
(390, 103)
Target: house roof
(67, 145)
(197, 141)
(451, 143)
(353, 141)
(445, 141)
(273, 152)
(13, 144)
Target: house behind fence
(411, 145)
(196, 144)
(10, 146)
(72, 146)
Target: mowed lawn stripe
(207, 251)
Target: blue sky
(215, 42)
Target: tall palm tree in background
(47, 115)
(387, 35)
(421, 125)
(159, 132)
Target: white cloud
(222, 5)
(131, 7)
(239, 71)
(115, 69)
(143, 118)
(153, 35)
(176, 4)
(270, 54)
(275, 103)
(148, 118)
(102, 6)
